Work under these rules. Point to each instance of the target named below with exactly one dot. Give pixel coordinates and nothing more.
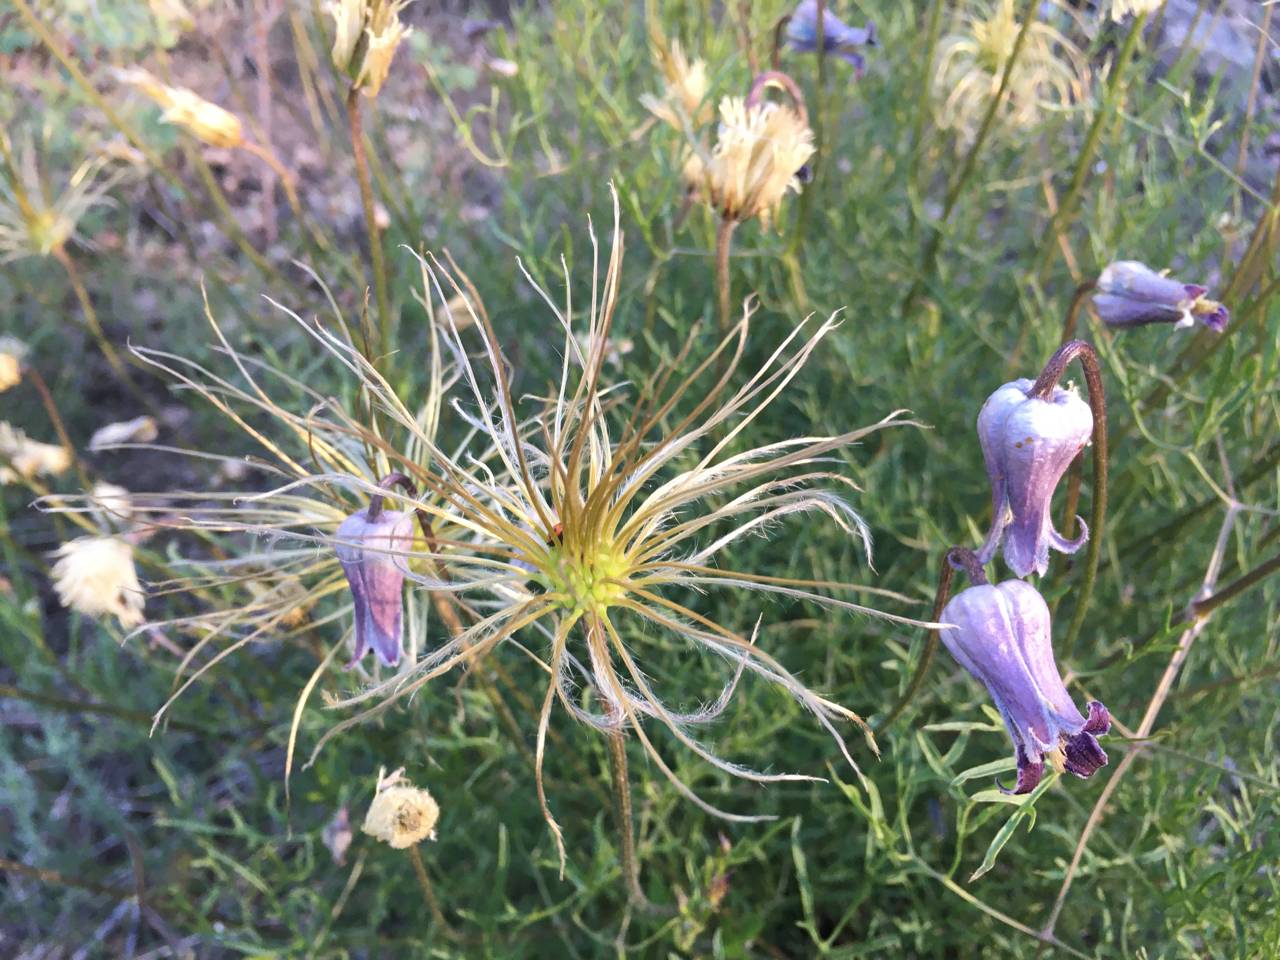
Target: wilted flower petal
(837, 36)
(138, 430)
(685, 89)
(1002, 637)
(367, 549)
(1028, 444)
(1131, 294)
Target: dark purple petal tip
(1083, 755)
(1029, 775)
(1099, 720)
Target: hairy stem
(370, 219)
(724, 241)
(429, 894)
(617, 740)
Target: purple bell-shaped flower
(837, 36)
(1027, 444)
(370, 550)
(1131, 294)
(1001, 635)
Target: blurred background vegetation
(953, 246)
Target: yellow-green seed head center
(587, 582)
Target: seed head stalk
(356, 128)
(724, 241)
(934, 244)
(1084, 161)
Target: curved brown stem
(1073, 312)
(1043, 389)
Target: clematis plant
(1131, 294)
(1001, 635)
(837, 36)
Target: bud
(367, 549)
(1002, 637)
(837, 36)
(1131, 294)
(1028, 444)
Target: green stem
(926, 87)
(95, 328)
(1084, 160)
(370, 219)
(101, 709)
(934, 244)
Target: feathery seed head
(1050, 72)
(32, 221)
(95, 576)
(401, 815)
(760, 149)
(579, 517)
(684, 95)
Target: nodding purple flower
(837, 36)
(1002, 637)
(1027, 444)
(1131, 294)
(368, 549)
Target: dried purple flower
(368, 544)
(1131, 294)
(1002, 637)
(1027, 444)
(837, 36)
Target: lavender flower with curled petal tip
(367, 547)
(1131, 294)
(837, 36)
(1002, 637)
(1027, 444)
